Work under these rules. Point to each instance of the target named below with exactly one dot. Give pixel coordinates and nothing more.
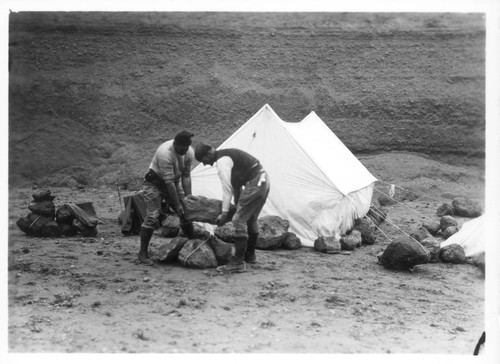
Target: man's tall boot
(237, 262)
(250, 252)
(146, 234)
(187, 228)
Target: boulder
(386, 201)
(445, 209)
(272, 232)
(351, 241)
(291, 242)
(327, 244)
(83, 229)
(170, 226)
(203, 209)
(447, 221)
(452, 253)
(466, 208)
(169, 251)
(222, 250)
(367, 229)
(432, 227)
(44, 208)
(404, 253)
(196, 253)
(420, 233)
(432, 245)
(449, 231)
(377, 213)
(225, 232)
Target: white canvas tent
(317, 184)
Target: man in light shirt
(243, 177)
(169, 177)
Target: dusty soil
(92, 95)
(87, 294)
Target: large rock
(44, 195)
(51, 230)
(203, 209)
(196, 253)
(452, 253)
(433, 246)
(327, 244)
(445, 209)
(420, 233)
(44, 208)
(68, 230)
(449, 231)
(222, 250)
(291, 242)
(170, 226)
(64, 216)
(272, 232)
(404, 253)
(432, 227)
(367, 229)
(83, 228)
(466, 208)
(169, 251)
(377, 213)
(447, 221)
(225, 232)
(351, 241)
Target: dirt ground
(92, 95)
(85, 294)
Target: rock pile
(460, 206)
(68, 220)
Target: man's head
(205, 154)
(182, 141)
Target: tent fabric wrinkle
(317, 184)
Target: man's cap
(183, 138)
(201, 151)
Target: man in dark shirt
(243, 177)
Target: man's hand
(221, 219)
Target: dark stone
(433, 247)
(367, 229)
(222, 250)
(466, 208)
(445, 209)
(404, 253)
(432, 227)
(43, 196)
(327, 244)
(452, 253)
(272, 232)
(44, 208)
(197, 253)
(225, 232)
(449, 231)
(420, 233)
(351, 241)
(170, 226)
(169, 251)
(447, 221)
(33, 224)
(64, 216)
(291, 242)
(51, 230)
(377, 213)
(386, 201)
(203, 209)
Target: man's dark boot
(146, 234)
(237, 262)
(187, 228)
(250, 252)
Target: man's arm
(224, 168)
